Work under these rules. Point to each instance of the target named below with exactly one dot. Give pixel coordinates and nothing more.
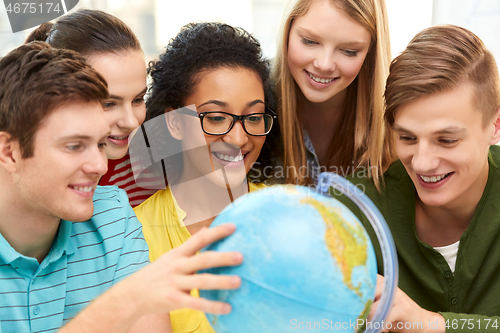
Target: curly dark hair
(199, 47)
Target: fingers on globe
(205, 237)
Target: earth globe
(308, 262)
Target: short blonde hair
(439, 59)
(360, 135)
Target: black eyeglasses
(220, 123)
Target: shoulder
(491, 189)
(494, 156)
(106, 197)
(160, 198)
(252, 187)
(158, 207)
(162, 228)
(396, 187)
(112, 209)
(112, 222)
(392, 178)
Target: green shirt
(468, 299)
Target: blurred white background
(156, 21)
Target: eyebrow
(82, 137)
(309, 32)
(121, 98)
(224, 104)
(257, 101)
(446, 130)
(213, 101)
(452, 130)
(116, 97)
(356, 43)
(142, 92)
(75, 137)
(353, 43)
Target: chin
(318, 99)
(114, 154)
(433, 201)
(233, 179)
(79, 214)
(236, 181)
(233, 182)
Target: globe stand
(327, 181)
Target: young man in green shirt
(441, 199)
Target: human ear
(10, 152)
(496, 134)
(174, 123)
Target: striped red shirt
(120, 174)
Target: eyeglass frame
(202, 115)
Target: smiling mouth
(318, 79)
(434, 179)
(83, 188)
(116, 137)
(228, 158)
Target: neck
(439, 226)
(29, 233)
(202, 200)
(321, 120)
(327, 110)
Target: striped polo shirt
(85, 260)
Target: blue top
(313, 167)
(85, 260)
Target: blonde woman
(329, 75)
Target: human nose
(237, 134)
(325, 61)
(97, 162)
(128, 119)
(425, 159)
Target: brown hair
(36, 79)
(87, 32)
(438, 59)
(360, 135)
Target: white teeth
(317, 79)
(84, 188)
(433, 179)
(229, 158)
(118, 137)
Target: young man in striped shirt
(63, 240)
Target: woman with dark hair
(111, 47)
(209, 88)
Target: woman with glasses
(208, 105)
(329, 73)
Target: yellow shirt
(164, 229)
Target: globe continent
(308, 264)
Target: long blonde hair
(360, 135)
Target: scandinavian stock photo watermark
(355, 325)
